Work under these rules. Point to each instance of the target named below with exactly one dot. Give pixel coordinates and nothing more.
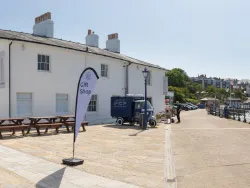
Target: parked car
(184, 107)
(190, 107)
(194, 106)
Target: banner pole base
(72, 161)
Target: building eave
(88, 49)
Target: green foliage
(211, 90)
(175, 78)
(238, 93)
(186, 77)
(193, 101)
(180, 83)
(188, 91)
(178, 93)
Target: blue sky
(200, 36)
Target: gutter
(86, 51)
(126, 78)
(10, 79)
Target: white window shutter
(62, 105)
(2, 69)
(24, 104)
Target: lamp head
(145, 73)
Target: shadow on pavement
(137, 133)
(52, 180)
(136, 127)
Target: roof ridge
(53, 41)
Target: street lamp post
(145, 75)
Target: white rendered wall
(66, 67)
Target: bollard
(233, 114)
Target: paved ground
(211, 152)
(124, 153)
(44, 174)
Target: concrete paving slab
(40, 173)
(211, 152)
(122, 153)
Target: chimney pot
(113, 36)
(43, 17)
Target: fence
(242, 113)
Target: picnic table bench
(50, 122)
(12, 124)
(69, 121)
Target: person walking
(168, 113)
(178, 111)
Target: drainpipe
(10, 79)
(126, 78)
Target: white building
(39, 74)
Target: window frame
(2, 73)
(49, 64)
(31, 105)
(106, 70)
(96, 104)
(62, 113)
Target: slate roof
(27, 37)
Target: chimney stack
(92, 39)
(113, 43)
(44, 26)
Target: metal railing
(241, 113)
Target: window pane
(43, 58)
(93, 104)
(42, 66)
(46, 66)
(94, 97)
(102, 67)
(47, 59)
(39, 58)
(104, 70)
(39, 66)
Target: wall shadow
(53, 180)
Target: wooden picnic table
(12, 124)
(50, 119)
(67, 121)
(15, 121)
(50, 122)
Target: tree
(239, 94)
(175, 78)
(186, 77)
(178, 94)
(211, 90)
